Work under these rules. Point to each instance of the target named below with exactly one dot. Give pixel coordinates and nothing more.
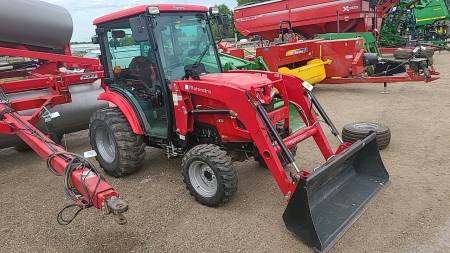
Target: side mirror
(100, 31)
(139, 31)
(95, 40)
(226, 24)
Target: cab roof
(143, 8)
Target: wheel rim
(105, 144)
(203, 179)
(366, 126)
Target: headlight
(266, 94)
(153, 10)
(213, 10)
(272, 91)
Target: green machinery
(424, 21)
(370, 43)
(230, 63)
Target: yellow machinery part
(313, 72)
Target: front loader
(163, 74)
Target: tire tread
(130, 146)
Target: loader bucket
(327, 202)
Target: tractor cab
(147, 47)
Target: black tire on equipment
(128, 148)
(407, 53)
(215, 165)
(358, 131)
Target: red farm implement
(337, 61)
(32, 87)
(310, 17)
(342, 61)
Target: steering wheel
(176, 64)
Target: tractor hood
(239, 80)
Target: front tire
(119, 150)
(209, 175)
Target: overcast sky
(83, 12)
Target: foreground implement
(31, 89)
(163, 73)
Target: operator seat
(144, 69)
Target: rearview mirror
(226, 24)
(138, 29)
(118, 34)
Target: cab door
(132, 67)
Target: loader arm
(322, 204)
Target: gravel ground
(411, 215)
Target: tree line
(223, 9)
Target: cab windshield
(183, 39)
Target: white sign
(348, 8)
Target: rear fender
(126, 109)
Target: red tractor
(163, 74)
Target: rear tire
(209, 175)
(119, 150)
(358, 131)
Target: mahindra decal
(193, 88)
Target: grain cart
(163, 73)
(35, 93)
(310, 17)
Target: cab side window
(122, 47)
